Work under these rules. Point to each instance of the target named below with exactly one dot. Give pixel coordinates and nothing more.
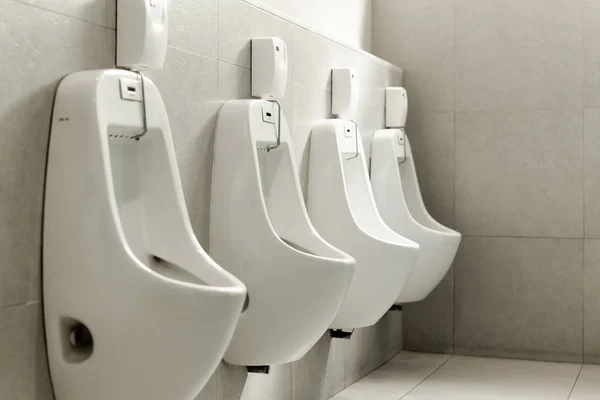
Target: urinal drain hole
(81, 338)
(77, 341)
(157, 260)
(246, 303)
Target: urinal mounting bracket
(258, 369)
(396, 307)
(340, 334)
(269, 148)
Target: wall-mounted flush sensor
(396, 113)
(344, 92)
(396, 107)
(269, 67)
(142, 30)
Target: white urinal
(134, 308)
(398, 197)
(342, 208)
(260, 232)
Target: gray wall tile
(239, 22)
(592, 178)
(513, 54)
(591, 67)
(87, 10)
(320, 374)
(431, 137)
(429, 324)
(520, 173)
(194, 26)
(520, 297)
(419, 36)
(193, 106)
(592, 302)
(111, 13)
(310, 105)
(234, 82)
(277, 385)
(231, 380)
(32, 67)
(314, 57)
(23, 365)
(209, 392)
(514, 77)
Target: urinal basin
(120, 257)
(398, 197)
(260, 232)
(342, 208)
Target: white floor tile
(394, 379)
(471, 378)
(588, 384)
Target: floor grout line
(428, 376)
(575, 383)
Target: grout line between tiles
(29, 303)
(62, 14)
(575, 383)
(427, 377)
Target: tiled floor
(415, 376)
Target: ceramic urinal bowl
(120, 257)
(260, 232)
(342, 208)
(398, 197)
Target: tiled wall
(207, 63)
(505, 120)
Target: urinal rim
(343, 258)
(403, 242)
(448, 232)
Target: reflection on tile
(463, 378)
(505, 288)
(536, 59)
(419, 37)
(512, 179)
(429, 324)
(23, 366)
(394, 379)
(588, 384)
(591, 352)
(38, 48)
